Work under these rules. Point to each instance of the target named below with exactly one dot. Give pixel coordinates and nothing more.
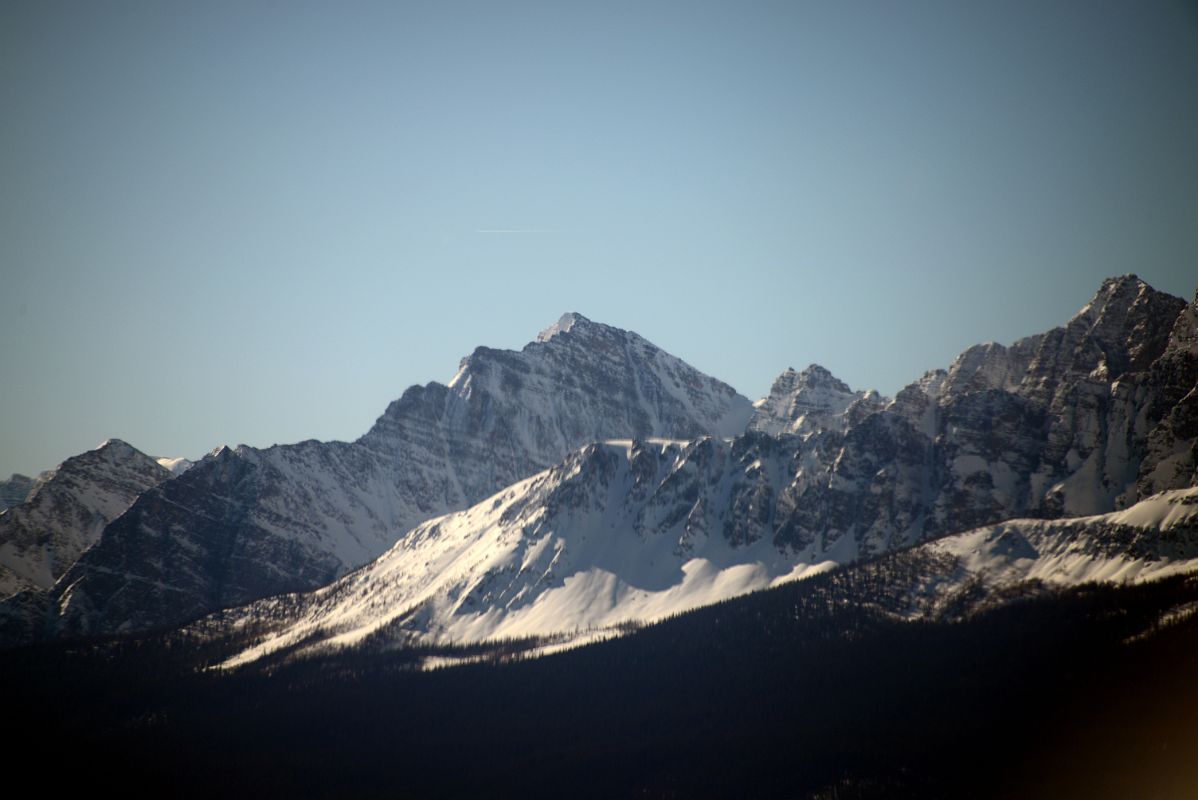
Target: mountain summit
(564, 324)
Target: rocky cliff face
(246, 523)
(65, 511)
(506, 415)
(1170, 388)
(1064, 423)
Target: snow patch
(176, 466)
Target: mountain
(1058, 424)
(1081, 420)
(14, 490)
(1055, 425)
(66, 509)
(246, 523)
(635, 532)
(1008, 542)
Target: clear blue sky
(260, 221)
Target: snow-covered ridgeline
(175, 465)
(622, 531)
(1154, 538)
(565, 554)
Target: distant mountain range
(591, 481)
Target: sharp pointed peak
(1119, 290)
(564, 324)
(1125, 308)
(811, 375)
(116, 447)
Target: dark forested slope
(800, 691)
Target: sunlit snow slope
(1154, 538)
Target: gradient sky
(260, 221)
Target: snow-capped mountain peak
(601, 381)
(564, 324)
(115, 445)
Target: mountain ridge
(246, 522)
(968, 446)
(1058, 424)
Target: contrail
(512, 230)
